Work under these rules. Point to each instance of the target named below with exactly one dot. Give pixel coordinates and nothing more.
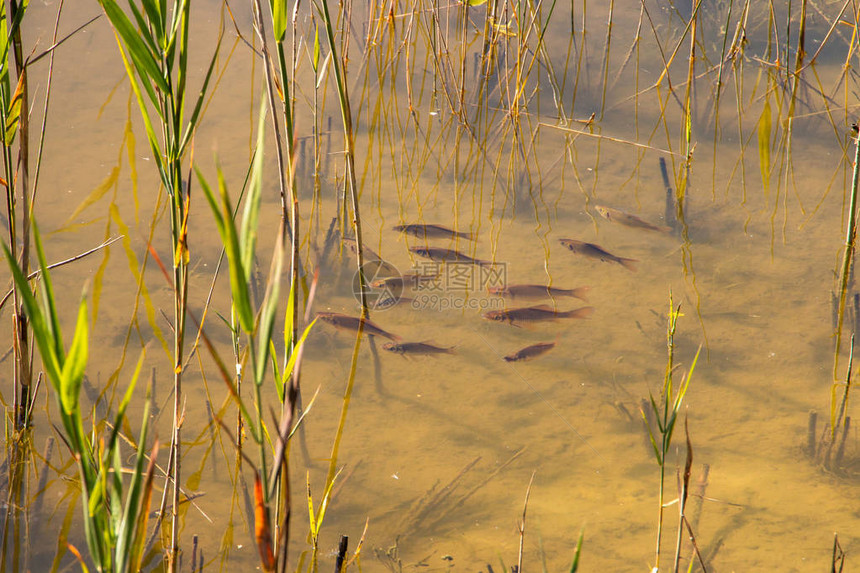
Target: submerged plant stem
(847, 257)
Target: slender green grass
(665, 409)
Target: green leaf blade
(76, 362)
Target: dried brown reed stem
(838, 415)
(634, 48)
(833, 28)
(682, 496)
(521, 527)
(17, 184)
(687, 127)
(576, 132)
(848, 254)
(72, 259)
(837, 557)
(341, 554)
(604, 68)
(194, 554)
(276, 126)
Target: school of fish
(515, 316)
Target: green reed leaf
(38, 322)
(198, 105)
(13, 113)
(126, 400)
(152, 20)
(136, 551)
(577, 552)
(273, 357)
(155, 16)
(52, 321)
(316, 58)
(651, 437)
(76, 362)
(305, 411)
(314, 532)
(325, 500)
(144, 112)
(4, 44)
(267, 312)
(279, 18)
(291, 363)
(139, 51)
(127, 527)
(251, 215)
(230, 239)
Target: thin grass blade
(577, 552)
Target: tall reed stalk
(257, 325)
(848, 254)
(14, 116)
(838, 405)
(154, 50)
(285, 144)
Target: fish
(629, 220)
(367, 254)
(536, 314)
(416, 348)
(353, 323)
(410, 280)
(423, 231)
(530, 352)
(539, 291)
(593, 251)
(446, 255)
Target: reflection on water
(504, 183)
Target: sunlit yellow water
(438, 451)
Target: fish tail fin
(581, 293)
(629, 264)
(583, 312)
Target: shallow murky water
(438, 451)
